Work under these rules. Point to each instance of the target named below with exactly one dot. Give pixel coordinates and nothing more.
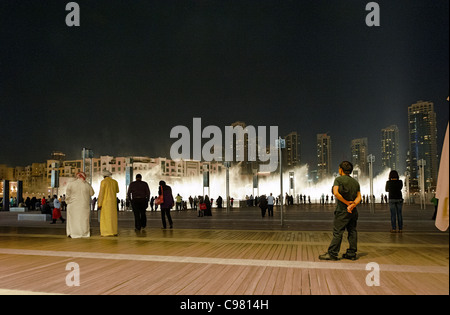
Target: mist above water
(242, 186)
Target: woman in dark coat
(263, 204)
(166, 192)
(394, 187)
(207, 212)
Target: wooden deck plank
(43, 273)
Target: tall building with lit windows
(247, 166)
(422, 143)
(291, 155)
(323, 155)
(360, 152)
(390, 156)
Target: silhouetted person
(139, 194)
(167, 204)
(394, 187)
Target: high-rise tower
(323, 155)
(360, 152)
(422, 143)
(390, 141)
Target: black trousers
(344, 221)
(139, 208)
(166, 212)
(270, 208)
(263, 212)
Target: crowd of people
(78, 203)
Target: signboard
(55, 179)
(255, 181)
(128, 175)
(205, 179)
(87, 153)
(280, 143)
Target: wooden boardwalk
(187, 261)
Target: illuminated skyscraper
(291, 155)
(390, 148)
(422, 143)
(323, 155)
(360, 151)
(242, 157)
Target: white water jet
(242, 186)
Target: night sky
(132, 70)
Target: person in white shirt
(270, 203)
(56, 210)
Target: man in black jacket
(166, 192)
(139, 195)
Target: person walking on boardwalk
(78, 199)
(166, 192)
(207, 212)
(270, 203)
(347, 192)
(263, 205)
(179, 200)
(107, 204)
(57, 210)
(139, 195)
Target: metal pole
(371, 188)
(91, 169)
(421, 163)
(407, 187)
(371, 159)
(83, 154)
(227, 164)
(281, 182)
(291, 184)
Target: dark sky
(134, 69)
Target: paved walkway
(226, 254)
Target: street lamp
(227, 165)
(408, 201)
(87, 154)
(205, 179)
(281, 144)
(421, 164)
(371, 160)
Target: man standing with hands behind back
(348, 196)
(139, 195)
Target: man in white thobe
(78, 199)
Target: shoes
(327, 256)
(350, 257)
